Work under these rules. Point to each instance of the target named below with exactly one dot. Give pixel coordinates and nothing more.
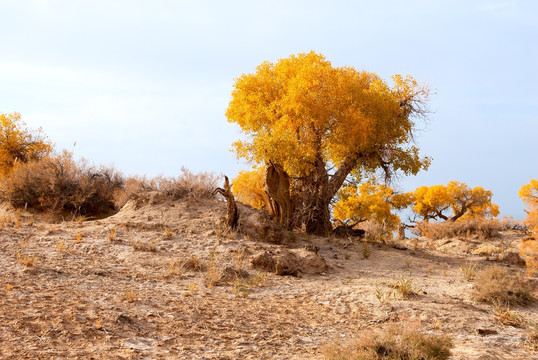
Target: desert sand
(158, 280)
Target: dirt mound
(157, 210)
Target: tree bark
(318, 191)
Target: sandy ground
(128, 287)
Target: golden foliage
(19, 144)
(529, 194)
(529, 252)
(248, 187)
(302, 107)
(370, 202)
(432, 202)
(529, 249)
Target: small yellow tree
(248, 187)
(370, 202)
(529, 249)
(438, 201)
(19, 144)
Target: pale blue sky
(144, 85)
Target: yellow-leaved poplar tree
(374, 202)
(453, 201)
(321, 122)
(529, 249)
(248, 187)
(19, 144)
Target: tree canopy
(321, 122)
(529, 194)
(453, 201)
(368, 201)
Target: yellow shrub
(370, 202)
(18, 144)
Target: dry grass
(478, 228)
(143, 246)
(399, 341)
(506, 316)
(405, 286)
(186, 185)
(468, 271)
(496, 286)
(112, 235)
(26, 260)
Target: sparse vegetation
(186, 185)
(396, 342)
(383, 296)
(168, 233)
(506, 316)
(130, 295)
(143, 246)
(495, 285)
(366, 252)
(112, 235)
(468, 271)
(466, 228)
(26, 260)
(405, 286)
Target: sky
(144, 85)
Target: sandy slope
(104, 298)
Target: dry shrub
(186, 185)
(376, 232)
(529, 252)
(476, 227)
(60, 184)
(398, 341)
(495, 285)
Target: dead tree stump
(232, 212)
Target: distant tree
(248, 187)
(453, 201)
(20, 144)
(529, 194)
(374, 202)
(529, 249)
(321, 123)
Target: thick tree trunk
(317, 191)
(318, 218)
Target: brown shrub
(186, 185)
(60, 184)
(399, 341)
(495, 285)
(475, 227)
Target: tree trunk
(316, 192)
(318, 217)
